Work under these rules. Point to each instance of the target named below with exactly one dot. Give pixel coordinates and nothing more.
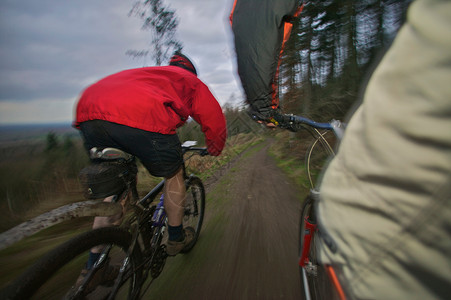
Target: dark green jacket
(259, 27)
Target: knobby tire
(28, 284)
(194, 208)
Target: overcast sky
(50, 50)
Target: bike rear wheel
(194, 208)
(54, 276)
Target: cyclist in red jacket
(138, 111)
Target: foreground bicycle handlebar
(294, 123)
(315, 278)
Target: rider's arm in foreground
(260, 28)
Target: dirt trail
(256, 256)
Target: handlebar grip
(204, 152)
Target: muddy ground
(248, 246)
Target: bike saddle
(109, 154)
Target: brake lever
(286, 121)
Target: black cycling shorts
(161, 154)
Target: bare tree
(162, 23)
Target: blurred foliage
(333, 47)
(39, 171)
(161, 21)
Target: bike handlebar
(202, 150)
(290, 122)
(296, 120)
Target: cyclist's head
(180, 60)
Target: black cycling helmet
(180, 60)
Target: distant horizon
(41, 124)
(16, 132)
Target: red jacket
(156, 99)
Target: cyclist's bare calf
(174, 191)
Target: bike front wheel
(314, 278)
(57, 274)
(194, 208)
(318, 154)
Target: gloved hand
(261, 109)
(273, 118)
(264, 114)
(204, 153)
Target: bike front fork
(309, 232)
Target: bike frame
(309, 222)
(152, 229)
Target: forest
(333, 48)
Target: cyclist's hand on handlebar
(286, 121)
(264, 116)
(268, 125)
(204, 152)
(273, 119)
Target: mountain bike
(318, 281)
(136, 247)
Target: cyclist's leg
(100, 222)
(174, 198)
(160, 153)
(174, 204)
(97, 133)
(167, 162)
(114, 220)
(162, 156)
